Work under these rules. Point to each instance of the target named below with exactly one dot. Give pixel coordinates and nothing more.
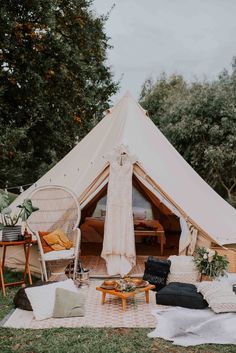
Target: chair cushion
(181, 294)
(156, 271)
(42, 298)
(46, 247)
(59, 255)
(68, 303)
(58, 240)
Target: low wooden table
(125, 295)
(26, 245)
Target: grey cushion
(68, 303)
(181, 294)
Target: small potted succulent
(8, 221)
(209, 263)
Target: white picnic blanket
(190, 327)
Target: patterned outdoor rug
(137, 314)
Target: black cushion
(21, 300)
(156, 271)
(181, 294)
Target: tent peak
(128, 95)
(128, 99)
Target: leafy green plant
(9, 220)
(210, 263)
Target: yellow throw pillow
(58, 240)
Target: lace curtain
(119, 242)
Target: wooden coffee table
(125, 295)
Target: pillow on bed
(140, 215)
(68, 303)
(42, 298)
(103, 213)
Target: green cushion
(68, 303)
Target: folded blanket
(190, 327)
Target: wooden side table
(26, 245)
(125, 295)
(154, 233)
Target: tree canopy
(199, 119)
(54, 82)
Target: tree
(199, 119)
(54, 82)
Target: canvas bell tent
(127, 155)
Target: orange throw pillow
(58, 240)
(45, 246)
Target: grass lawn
(88, 340)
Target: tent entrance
(146, 207)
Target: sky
(195, 38)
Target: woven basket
(231, 256)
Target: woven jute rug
(137, 314)
(97, 266)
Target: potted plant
(8, 221)
(209, 263)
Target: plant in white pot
(8, 221)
